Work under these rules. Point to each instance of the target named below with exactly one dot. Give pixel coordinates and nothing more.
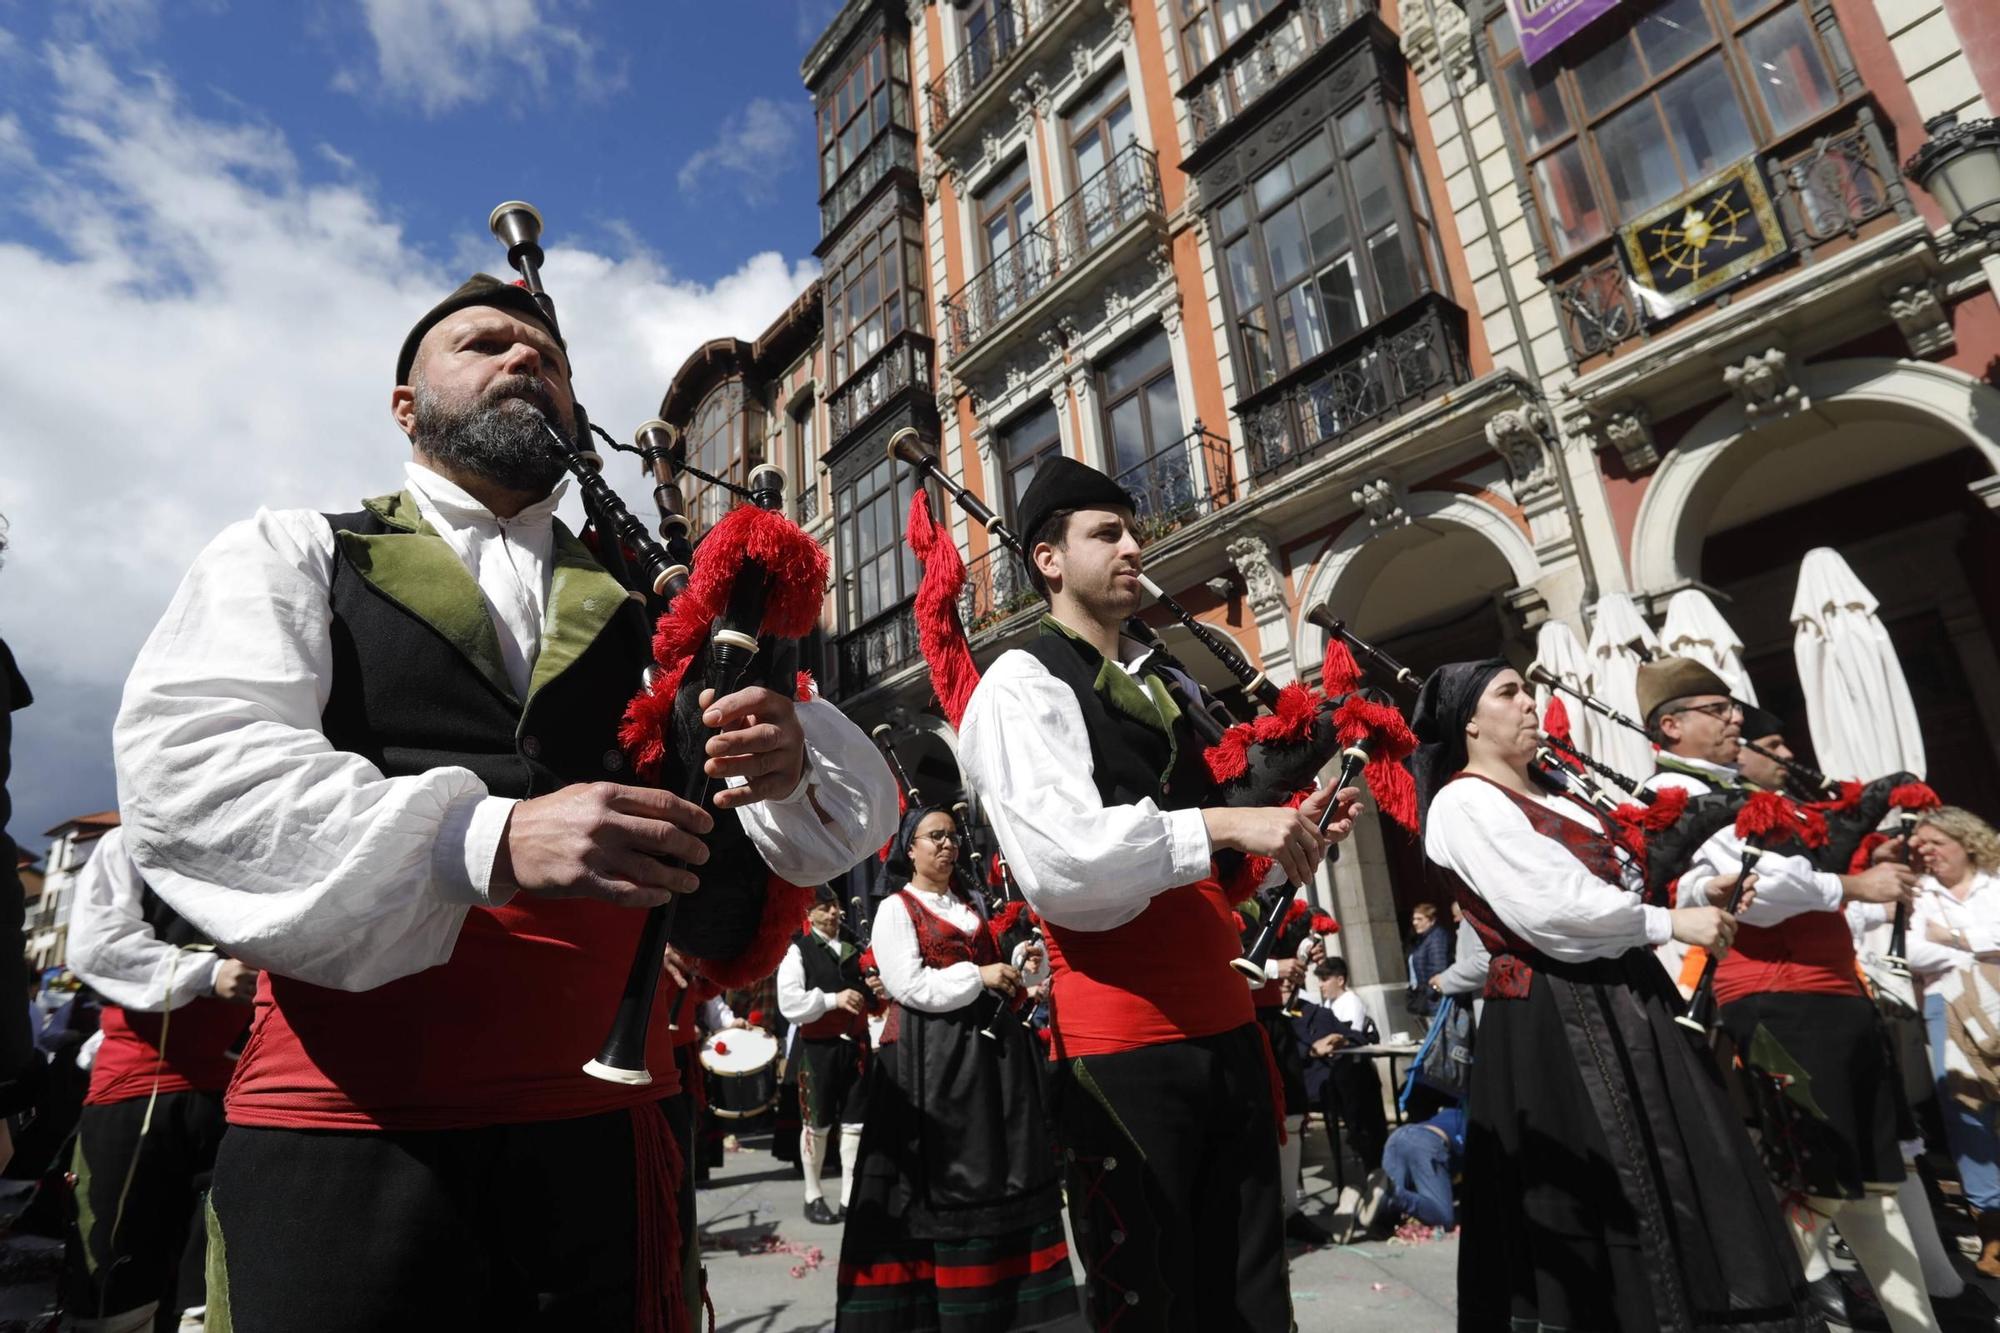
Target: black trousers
(505, 1227)
(1353, 1091)
(151, 1251)
(1174, 1197)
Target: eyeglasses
(1721, 712)
(943, 837)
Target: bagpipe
(1270, 760)
(725, 617)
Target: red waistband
(131, 1061)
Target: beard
(498, 436)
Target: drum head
(738, 1051)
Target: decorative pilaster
(1256, 559)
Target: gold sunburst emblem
(1683, 246)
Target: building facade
(1371, 309)
(45, 934)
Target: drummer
(959, 1205)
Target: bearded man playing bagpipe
(377, 755)
(1096, 788)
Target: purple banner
(1545, 25)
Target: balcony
(903, 365)
(1415, 354)
(894, 147)
(1259, 60)
(1825, 190)
(1117, 204)
(1187, 480)
(880, 648)
(996, 589)
(973, 79)
(808, 507)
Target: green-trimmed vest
(499, 1033)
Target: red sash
(130, 1063)
(1809, 954)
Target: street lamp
(1959, 166)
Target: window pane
(1346, 312)
(1311, 157)
(1326, 219)
(1136, 363)
(1128, 435)
(1285, 242)
(1571, 205)
(1505, 41)
(1355, 125)
(1371, 188)
(1272, 186)
(1785, 66)
(1232, 216)
(1256, 342)
(1090, 156)
(1636, 159)
(1609, 75)
(1163, 411)
(1671, 33)
(1743, 9)
(1707, 124)
(1392, 271)
(1236, 16)
(1537, 105)
(1302, 324)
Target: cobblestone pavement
(771, 1271)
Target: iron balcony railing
(904, 364)
(809, 504)
(1009, 26)
(996, 587)
(1127, 188)
(1227, 87)
(1824, 191)
(878, 648)
(893, 147)
(1413, 355)
(1187, 480)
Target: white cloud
(754, 146)
(220, 335)
(439, 54)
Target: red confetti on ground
(809, 1257)
(1413, 1232)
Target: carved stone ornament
(1630, 431)
(947, 394)
(1043, 95)
(1383, 501)
(1022, 97)
(927, 179)
(1919, 312)
(1052, 340)
(1170, 313)
(1454, 38)
(1121, 18)
(1079, 62)
(916, 10)
(1520, 436)
(1059, 395)
(1222, 585)
(1263, 581)
(1763, 383)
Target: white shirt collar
(441, 497)
(1728, 771)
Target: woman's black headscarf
(900, 868)
(1446, 703)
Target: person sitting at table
(1346, 1087)
(1418, 1164)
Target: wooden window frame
(879, 68)
(894, 251)
(1143, 381)
(1099, 126)
(851, 501)
(1038, 450)
(1196, 15)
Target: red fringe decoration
(1555, 722)
(1241, 883)
(995, 875)
(940, 635)
(785, 903)
(1865, 853)
(867, 960)
(1291, 720)
(805, 689)
(1003, 921)
(656, 1167)
(1850, 794)
(1669, 804)
(1391, 742)
(1626, 831)
(1769, 817)
(1339, 673)
(1297, 910)
(795, 570)
(1322, 924)
(1914, 796)
(1241, 924)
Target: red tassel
(1339, 673)
(1850, 795)
(1241, 924)
(1669, 804)
(1297, 910)
(940, 634)
(1555, 722)
(784, 904)
(1003, 921)
(1241, 883)
(867, 960)
(805, 690)
(1322, 924)
(1914, 796)
(1768, 817)
(995, 875)
(1864, 855)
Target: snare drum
(742, 1069)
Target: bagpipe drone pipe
(727, 615)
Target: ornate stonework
(1382, 500)
(1121, 19)
(1520, 436)
(1629, 430)
(1919, 312)
(1764, 385)
(1263, 582)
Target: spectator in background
(1430, 955)
(1414, 1181)
(1346, 1087)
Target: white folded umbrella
(1858, 705)
(1696, 629)
(1559, 652)
(1620, 641)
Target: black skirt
(1824, 1088)
(1608, 1186)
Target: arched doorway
(1892, 466)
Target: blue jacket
(1429, 955)
(1309, 1025)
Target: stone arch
(1674, 517)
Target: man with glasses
(1791, 1001)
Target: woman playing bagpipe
(1607, 1183)
(956, 1220)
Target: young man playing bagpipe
(1094, 783)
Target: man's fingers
(658, 838)
(648, 873)
(767, 704)
(751, 766)
(655, 803)
(757, 738)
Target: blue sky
(217, 216)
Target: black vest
(408, 698)
(1131, 758)
(169, 926)
(823, 971)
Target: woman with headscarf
(956, 1220)
(1608, 1186)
